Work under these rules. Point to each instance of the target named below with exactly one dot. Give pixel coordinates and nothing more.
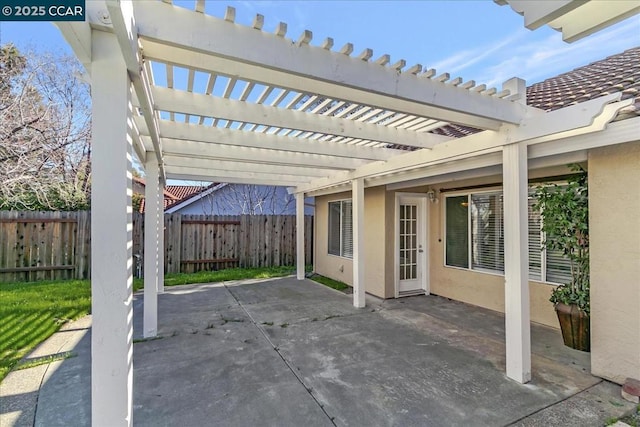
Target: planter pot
(574, 324)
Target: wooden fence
(44, 245)
(57, 245)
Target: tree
(249, 200)
(565, 222)
(45, 124)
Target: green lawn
(31, 312)
(174, 279)
(334, 284)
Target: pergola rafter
(251, 101)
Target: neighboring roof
(204, 191)
(176, 194)
(616, 73)
(181, 192)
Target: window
(457, 241)
(474, 238)
(475, 218)
(545, 265)
(341, 229)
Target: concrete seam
(44, 375)
(553, 404)
(275, 348)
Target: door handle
(420, 250)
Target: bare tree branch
(45, 125)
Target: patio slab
(282, 352)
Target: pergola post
(151, 247)
(161, 240)
(111, 234)
(516, 263)
(300, 235)
(357, 190)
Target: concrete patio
(283, 352)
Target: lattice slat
(190, 78)
(230, 14)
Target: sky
(477, 40)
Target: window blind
(347, 229)
(487, 237)
(340, 230)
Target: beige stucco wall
(482, 289)
(614, 228)
(375, 219)
(473, 287)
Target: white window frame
(341, 227)
(468, 193)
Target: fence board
(57, 245)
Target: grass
(632, 419)
(333, 284)
(31, 312)
(175, 279)
(45, 360)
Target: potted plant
(565, 223)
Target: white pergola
(202, 97)
(576, 19)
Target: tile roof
(616, 73)
(174, 194)
(181, 192)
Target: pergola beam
(208, 176)
(191, 132)
(282, 179)
(124, 26)
(257, 155)
(577, 119)
(317, 70)
(78, 35)
(536, 14)
(592, 17)
(576, 19)
(239, 111)
(305, 173)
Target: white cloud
(539, 59)
(466, 58)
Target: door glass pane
(408, 240)
(457, 231)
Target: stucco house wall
(614, 198)
(229, 199)
(341, 268)
(614, 231)
(470, 286)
